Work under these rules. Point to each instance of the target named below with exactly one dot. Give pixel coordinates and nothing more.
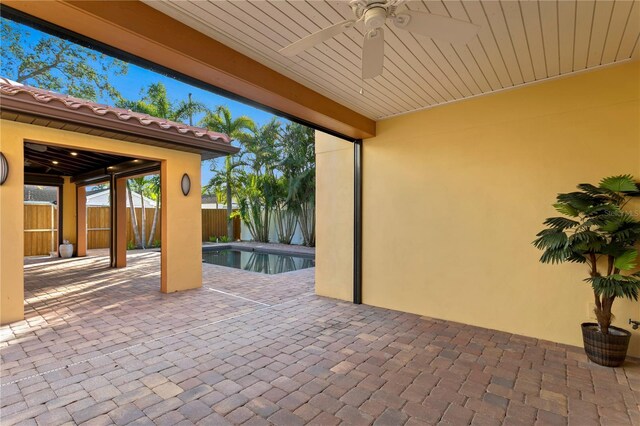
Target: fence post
(53, 239)
(81, 221)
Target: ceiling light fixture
(75, 154)
(54, 162)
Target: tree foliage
(272, 177)
(226, 178)
(155, 102)
(258, 191)
(595, 230)
(298, 166)
(55, 64)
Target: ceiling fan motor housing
(374, 18)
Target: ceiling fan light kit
(374, 15)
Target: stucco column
(12, 229)
(81, 221)
(334, 217)
(181, 224)
(118, 191)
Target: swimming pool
(257, 261)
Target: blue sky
(137, 78)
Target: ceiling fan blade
(316, 38)
(435, 26)
(373, 53)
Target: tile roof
(148, 125)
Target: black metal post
(357, 222)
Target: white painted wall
(101, 199)
(245, 235)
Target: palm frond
(616, 285)
(561, 222)
(620, 183)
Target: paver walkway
(104, 346)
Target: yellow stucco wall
(334, 217)
(181, 246)
(11, 229)
(453, 197)
(181, 224)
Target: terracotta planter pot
(610, 349)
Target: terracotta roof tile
(13, 89)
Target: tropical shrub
(286, 216)
(225, 180)
(256, 197)
(298, 166)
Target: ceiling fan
(374, 14)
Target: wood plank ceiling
(519, 42)
(57, 161)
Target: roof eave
(27, 105)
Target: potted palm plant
(596, 231)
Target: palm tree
(134, 220)
(285, 213)
(259, 194)
(187, 109)
(239, 130)
(154, 192)
(263, 147)
(299, 168)
(141, 186)
(156, 103)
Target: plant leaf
(561, 222)
(627, 260)
(621, 183)
(616, 285)
(567, 209)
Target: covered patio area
(255, 349)
(69, 144)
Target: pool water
(254, 261)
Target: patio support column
(11, 228)
(118, 191)
(335, 217)
(81, 221)
(181, 225)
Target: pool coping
(271, 248)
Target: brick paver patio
(104, 346)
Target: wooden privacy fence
(98, 226)
(214, 224)
(40, 229)
(41, 223)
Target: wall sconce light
(185, 184)
(4, 168)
